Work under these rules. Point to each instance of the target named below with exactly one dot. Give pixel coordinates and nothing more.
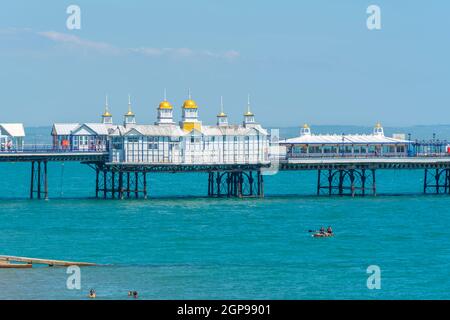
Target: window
(133, 139)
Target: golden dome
(165, 105)
(107, 114)
(378, 125)
(129, 113)
(248, 113)
(189, 104)
(222, 114)
(306, 126)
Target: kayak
(322, 235)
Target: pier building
(189, 142)
(334, 145)
(232, 154)
(11, 136)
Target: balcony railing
(45, 148)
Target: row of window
(350, 149)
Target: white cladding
(170, 144)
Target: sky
(301, 62)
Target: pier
(234, 158)
(354, 176)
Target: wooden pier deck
(24, 262)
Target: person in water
(322, 230)
(92, 293)
(134, 294)
(329, 230)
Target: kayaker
(322, 230)
(329, 230)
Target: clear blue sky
(301, 61)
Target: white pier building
(334, 145)
(165, 141)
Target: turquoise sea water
(179, 244)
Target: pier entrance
(350, 182)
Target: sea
(179, 244)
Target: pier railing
(45, 148)
(359, 155)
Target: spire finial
(129, 103)
(106, 115)
(106, 104)
(221, 104)
(248, 103)
(189, 93)
(165, 94)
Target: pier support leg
(45, 181)
(319, 172)
(240, 184)
(145, 184)
(120, 183)
(113, 185)
(342, 182)
(97, 173)
(105, 181)
(32, 180)
(136, 184)
(39, 180)
(436, 181)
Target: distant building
(11, 136)
(332, 145)
(188, 142)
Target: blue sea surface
(178, 244)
